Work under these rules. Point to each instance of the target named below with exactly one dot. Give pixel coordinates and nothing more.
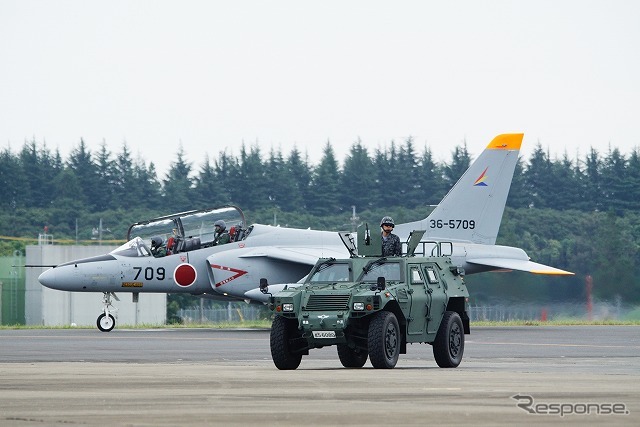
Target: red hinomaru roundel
(185, 275)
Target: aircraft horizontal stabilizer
(520, 265)
(299, 255)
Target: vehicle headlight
(358, 306)
(287, 307)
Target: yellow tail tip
(506, 141)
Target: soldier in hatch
(221, 235)
(391, 245)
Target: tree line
(35, 177)
(577, 214)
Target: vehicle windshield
(133, 248)
(330, 273)
(389, 270)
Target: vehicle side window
(416, 278)
(432, 276)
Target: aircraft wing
(519, 264)
(299, 255)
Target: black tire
(449, 344)
(106, 324)
(281, 332)
(351, 358)
(384, 340)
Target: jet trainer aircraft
(469, 217)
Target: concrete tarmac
(516, 375)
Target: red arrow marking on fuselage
(237, 274)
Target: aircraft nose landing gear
(106, 322)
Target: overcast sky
(211, 75)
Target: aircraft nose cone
(48, 278)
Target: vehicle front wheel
(351, 358)
(449, 343)
(282, 330)
(106, 323)
(384, 340)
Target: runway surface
(575, 374)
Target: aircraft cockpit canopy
(133, 248)
(190, 230)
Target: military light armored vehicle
(370, 306)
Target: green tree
(615, 271)
(68, 204)
(593, 181)
(518, 193)
(124, 191)
(299, 172)
(388, 179)
(410, 193)
(147, 185)
(12, 182)
(562, 179)
(633, 180)
(178, 185)
(105, 197)
(537, 176)
(460, 161)
(206, 187)
(228, 185)
(357, 179)
(326, 185)
(615, 187)
(284, 190)
(39, 168)
(429, 174)
(81, 164)
(252, 185)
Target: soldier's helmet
(221, 223)
(156, 242)
(387, 220)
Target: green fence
(12, 289)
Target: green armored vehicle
(370, 306)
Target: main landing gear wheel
(106, 323)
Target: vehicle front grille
(329, 302)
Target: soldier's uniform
(391, 245)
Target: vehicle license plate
(324, 334)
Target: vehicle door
(420, 299)
(437, 297)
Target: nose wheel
(106, 322)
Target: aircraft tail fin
(472, 210)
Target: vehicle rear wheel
(106, 323)
(449, 343)
(350, 357)
(282, 330)
(384, 340)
